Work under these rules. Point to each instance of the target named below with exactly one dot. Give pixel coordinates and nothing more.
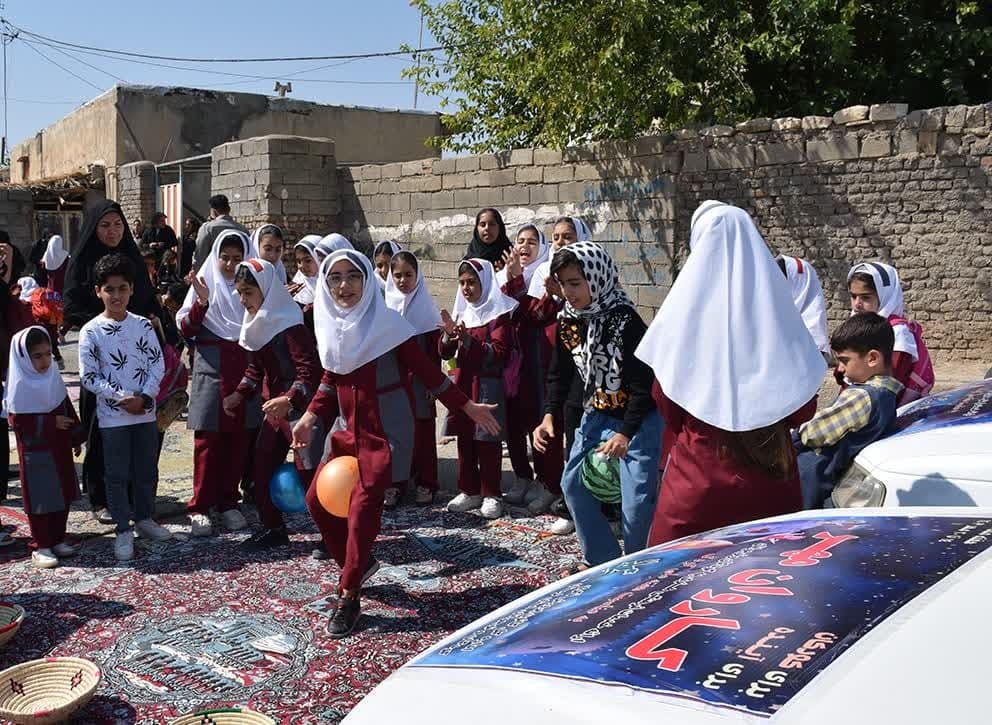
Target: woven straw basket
(48, 690)
(224, 716)
(11, 616)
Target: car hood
(811, 618)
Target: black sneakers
(267, 539)
(345, 617)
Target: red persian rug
(197, 623)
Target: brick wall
(136, 192)
(866, 183)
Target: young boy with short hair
(863, 412)
(121, 362)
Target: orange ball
(335, 483)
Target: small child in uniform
(48, 432)
(267, 243)
(381, 257)
(121, 363)
(407, 293)
(479, 339)
(875, 287)
(863, 412)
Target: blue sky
(185, 28)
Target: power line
(48, 103)
(77, 59)
(354, 56)
(59, 65)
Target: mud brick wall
(868, 182)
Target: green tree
(557, 72)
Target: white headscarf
(224, 311)
(305, 295)
(543, 271)
(393, 248)
(27, 285)
(278, 312)
(491, 303)
(27, 390)
(543, 255)
(55, 253)
(728, 345)
(332, 243)
(349, 337)
(890, 304)
(255, 254)
(807, 294)
(418, 307)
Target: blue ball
(286, 490)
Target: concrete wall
(174, 123)
(290, 181)
(136, 191)
(16, 208)
(84, 137)
(866, 183)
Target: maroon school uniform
(48, 474)
(220, 442)
(535, 324)
(479, 376)
(56, 278)
(704, 487)
(286, 365)
(374, 402)
(424, 466)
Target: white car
(816, 618)
(941, 455)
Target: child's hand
(293, 288)
(482, 415)
(303, 430)
(231, 404)
(134, 404)
(200, 287)
(447, 324)
(77, 451)
(64, 422)
(277, 408)
(615, 447)
(461, 331)
(513, 266)
(544, 433)
(552, 287)
(501, 262)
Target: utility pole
(3, 144)
(420, 44)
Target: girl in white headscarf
(807, 294)
(737, 369)
(54, 261)
(366, 350)
(283, 364)
(875, 287)
(381, 256)
(211, 316)
(479, 338)
(407, 293)
(539, 486)
(267, 242)
(47, 429)
(304, 283)
(333, 243)
(598, 330)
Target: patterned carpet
(194, 623)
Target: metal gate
(170, 201)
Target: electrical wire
(46, 103)
(59, 65)
(77, 59)
(354, 56)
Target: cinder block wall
(866, 183)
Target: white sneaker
(199, 525)
(149, 529)
(562, 527)
(425, 496)
(103, 516)
(542, 501)
(233, 520)
(65, 550)
(518, 491)
(492, 508)
(44, 559)
(124, 546)
(463, 502)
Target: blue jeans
(130, 461)
(638, 487)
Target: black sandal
(574, 569)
